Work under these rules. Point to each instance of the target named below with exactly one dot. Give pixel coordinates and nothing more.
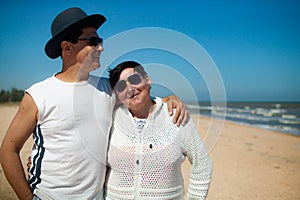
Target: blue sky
(254, 44)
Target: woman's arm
(201, 170)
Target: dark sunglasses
(93, 41)
(133, 79)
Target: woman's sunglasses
(133, 79)
(93, 41)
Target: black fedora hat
(65, 23)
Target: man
(69, 114)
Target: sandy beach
(248, 163)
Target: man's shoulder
(42, 83)
(101, 83)
(95, 80)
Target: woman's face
(134, 95)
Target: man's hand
(29, 163)
(182, 113)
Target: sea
(277, 116)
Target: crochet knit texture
(146, 163)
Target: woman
(146, 149)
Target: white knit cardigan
(146, 164)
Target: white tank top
(71, 138)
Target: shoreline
(264, 128)
(279, 117)
(248, 162)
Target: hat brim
(52, 47)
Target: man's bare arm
(18, 132)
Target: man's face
(86, 54)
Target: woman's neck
(145, 110)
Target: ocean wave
(288, 121)
(289, 116)
(277, 117)
(243, 116)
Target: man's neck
(72, 74)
